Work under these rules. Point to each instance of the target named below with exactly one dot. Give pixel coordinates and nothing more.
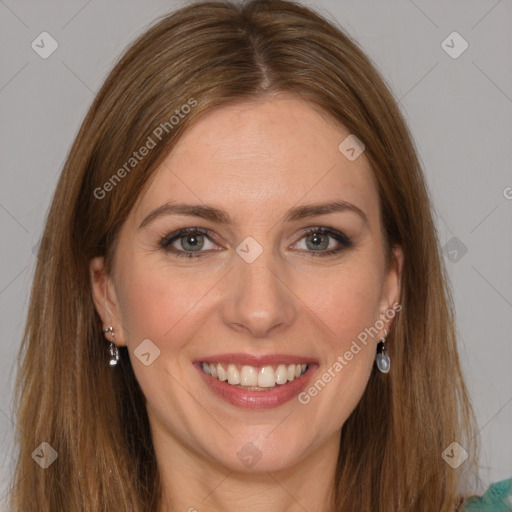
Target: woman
(239, 301)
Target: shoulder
(497, 498)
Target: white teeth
(281, 374)
(248, 376)
(221, 373)
(233, 374)
(255, 377)
(266, 378)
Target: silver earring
(382, 357)
(114, 351)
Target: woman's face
(255, 296)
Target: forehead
(263, 156)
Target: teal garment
(497, 498)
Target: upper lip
(256, 360)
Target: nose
(259, 300)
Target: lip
(276, 397)
(256, 360)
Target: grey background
(459, 111)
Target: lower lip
(275, 397)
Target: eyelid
(334, 233)
(179, 233)
(343, 240)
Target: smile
(256, 378)
(256, 381)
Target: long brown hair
(203, 56)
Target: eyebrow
(222, 217)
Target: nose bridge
(259, 299)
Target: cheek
(349, 305)
(348, 299)
(159, 306)
(156, 303)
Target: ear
(105, 300)
(391, 289)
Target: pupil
(316, 241)
(190, 242)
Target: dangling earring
(382, 357)
(114, 351)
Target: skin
(255, 160)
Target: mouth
(254, 378)
(256, 382)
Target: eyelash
(165, 243)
